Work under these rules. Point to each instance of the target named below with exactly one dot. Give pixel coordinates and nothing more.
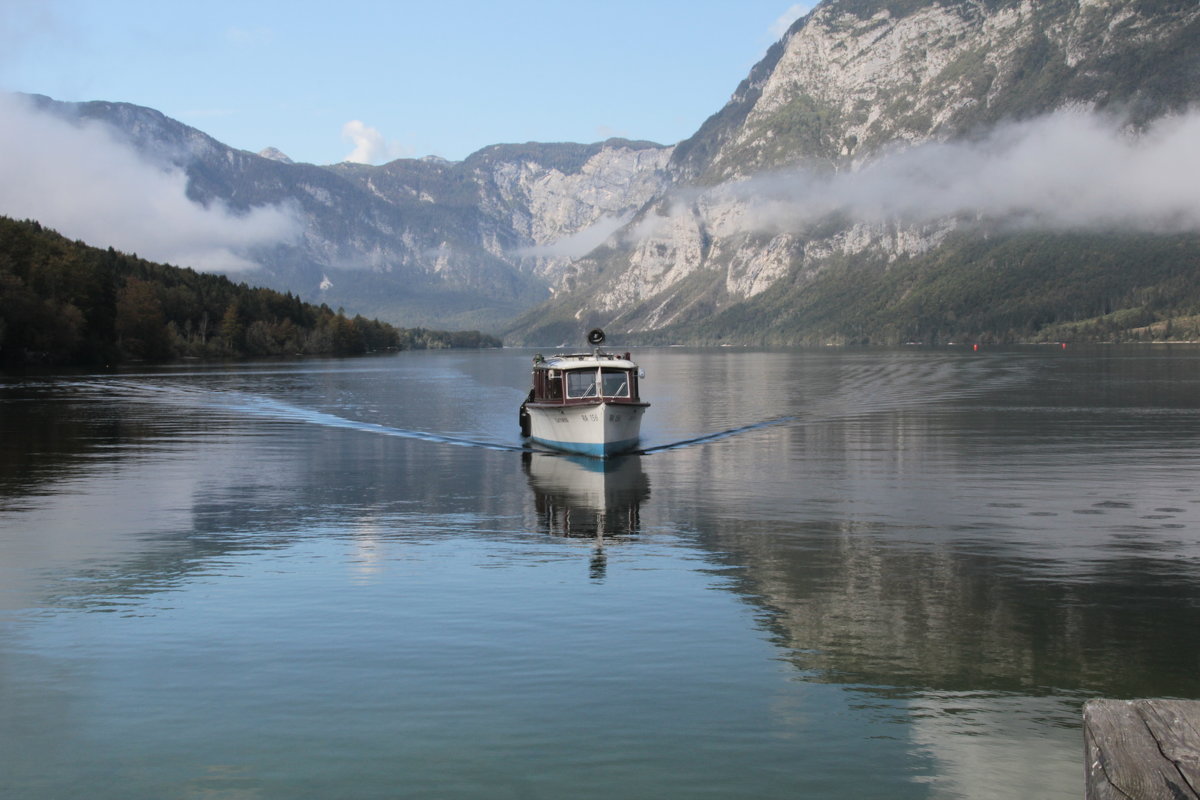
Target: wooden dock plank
(1142, 749)
(1175, 724)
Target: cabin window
(616, 383)
(549, 384)
(581, 384)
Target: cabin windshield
(581, 383)
(612, 383)
(616, 383)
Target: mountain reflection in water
(324, 578)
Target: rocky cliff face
(762, 195)
(856, 77)
(485, 238)
(558, 213)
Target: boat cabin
(584, 378)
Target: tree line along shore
(65, 303)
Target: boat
(586, 403)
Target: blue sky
(325, 81)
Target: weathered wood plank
(1175, 724)
(1142, 749)
(1123, 758)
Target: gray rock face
(416, 241)
(764, 193)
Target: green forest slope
(65, 303)
(1014, 287)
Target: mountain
(898, 170)
(890, 171)
(418, 242)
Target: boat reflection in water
(588, 498)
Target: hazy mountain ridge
(874, 143)
(770, 194)
(423, 241)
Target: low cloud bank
(1065, 171)
(580, 243)
(87, 184)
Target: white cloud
(370, 147)
(582, 242)
(781, 25)
(1068, 170)
(80, 180)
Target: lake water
(900, 578)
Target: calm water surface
(900, 577)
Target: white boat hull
(595, 429)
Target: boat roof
(583, 361)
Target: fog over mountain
(1069, 170)
(87, 181)
(430, 242)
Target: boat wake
(272, 409)
(276, 409)
(869, 389)
(712, 437)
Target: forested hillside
(63, 302)
(1015, 287)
